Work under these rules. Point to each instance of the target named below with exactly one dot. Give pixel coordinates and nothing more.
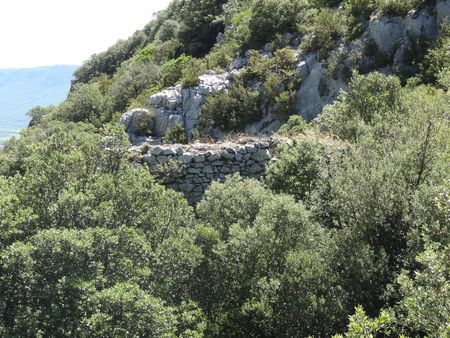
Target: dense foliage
(347, 235)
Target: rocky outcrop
(178, 105)
(387, 33)
(131, 120)
(317, 88)
(395, 38)
(442, 11)
(391, 33)
(138, 124)
(199, 164)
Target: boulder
(420, 23)
(387, 33)
(238, 63)
(134, 120)
(315, 92)
(220, 39)
(174, 121)
(161, 121)
(177, 105)
(442, 11)
(213, 83)
(169, 99)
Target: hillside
(240, 168)
(23, 89)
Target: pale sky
(49, 32)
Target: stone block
(199, 158)
(185, 158)
(208, 170)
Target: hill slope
(22, 89)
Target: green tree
(131, 80)
(125, 310)
(298, 169)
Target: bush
(191, 72)
(109, 62)
(297, 170)
(131, 80)
(359, 8)
(437, 58)
(397, 7)
(173, 70)
(169, 30)
(328, 27)
(158, 52)
(295, 125)
(85, 103)
(220, 57)
(37, 114)
(200, 23)
(273, 16)
(142, 99)
(372, 100)
(232, 109)
(176, 135)
(279, 78)
(236, 200)
(145, 123)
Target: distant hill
(22, 89)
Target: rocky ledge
(192, 168)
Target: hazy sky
(48, 32)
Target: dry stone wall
(192, 168)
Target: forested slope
(348, 233)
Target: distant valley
(22, 89)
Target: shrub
(169, 30)
(176, 135)
(131, 80)
(295, 125)
(109, 62)
(437, 58)
(158, 52)
(236, 200)
(284, 104)
(297, 170)
(85, 103)
(397, 7)
(38, 113)
(173, 70)
(356, 12)
(372, 100)
(145, 122)
(165, 172)
(220, 57)
(359, 8)
(328, 27)
(200, 24)
(231, 110)
(142, 99)
(191, 72)
(278, 76)
(273, 16)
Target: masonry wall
(192, 168)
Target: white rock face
(130, 120)
(316, 91)
(169, 98)
(420, 23)
(387, 33)
(391, 33)
(442, 11)
(185, 103)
